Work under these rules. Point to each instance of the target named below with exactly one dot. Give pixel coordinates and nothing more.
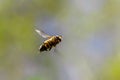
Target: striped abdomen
(49, 43)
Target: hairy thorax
(52, 41)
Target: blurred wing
(41, 33)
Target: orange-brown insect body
(49, 43)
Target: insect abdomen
(48, 44)
(43, 48)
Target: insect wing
(41, 33)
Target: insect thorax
(52, 42)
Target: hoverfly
(51, 41)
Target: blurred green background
(90, 49)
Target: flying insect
(50, 42)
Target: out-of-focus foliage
(17, 21)
(89, 50)
(17, 35)
(110, 70)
